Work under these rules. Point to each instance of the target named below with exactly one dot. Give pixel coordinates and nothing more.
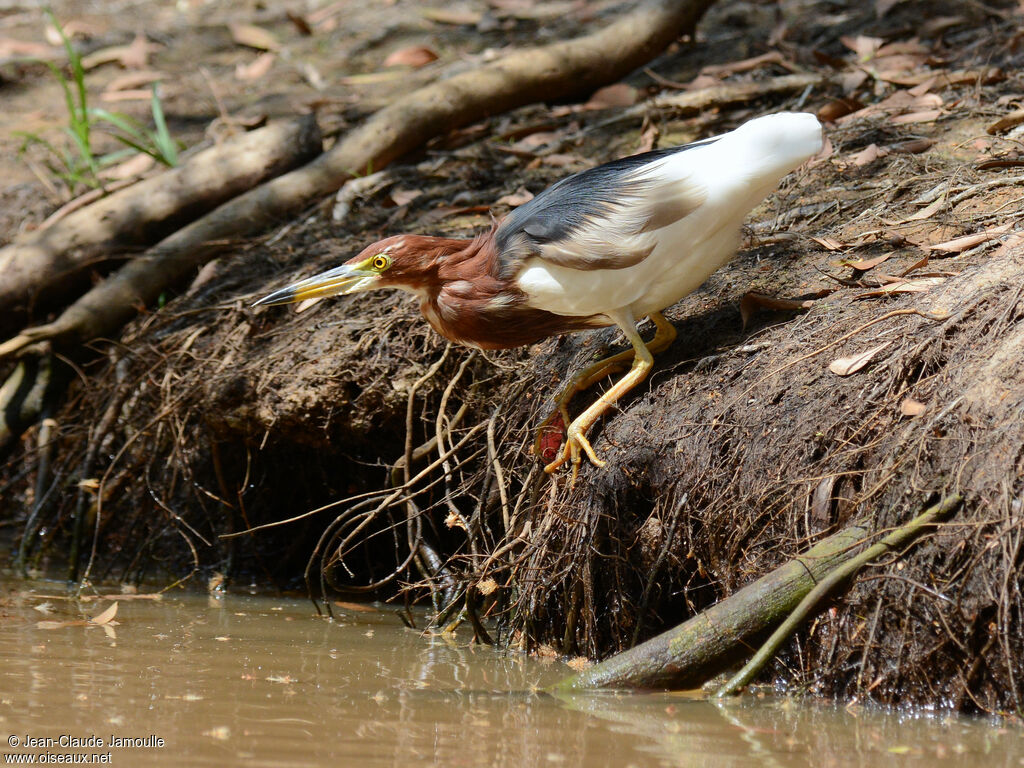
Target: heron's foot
(552, 431)
(576, 444)
(639, 361)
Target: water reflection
(263, 681)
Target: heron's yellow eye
(380, 262)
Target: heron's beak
(333, 282)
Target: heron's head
(409, 262)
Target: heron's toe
(576, 444)
(577, 438)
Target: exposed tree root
(34, 384)
(44, 266)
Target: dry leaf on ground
(561, 160)
(927, 213)
(925, 116)
(863, 265)
(252, 36)
(300, 23)
(137, 94)
(532, 141)
(11, 48)
(102, 619)
(844, 366)
(1006, 122)
(257, 68)
(414, 56)
(838, 108)
(865, 47)
(752, 302)
(517, 198)
(370, 78)
(405, 196)
(868, 155)
(132, 80)
(609, 97)
(107, 615)
(961, 244)
(911, 407)
(911, 146)
(455, 18)
(133, 56)
(919, 264)
(828, 243)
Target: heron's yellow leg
(642, 355)
(580, 381)
(665, 334)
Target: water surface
(262, 681)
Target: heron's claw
(576, 444)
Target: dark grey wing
(600, 218)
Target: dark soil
(740, 450)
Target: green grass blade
(113, 158)
(84, 152)
(162, 138)
(78, 110)
(120, 121)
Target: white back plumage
(671, 222)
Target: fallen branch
(546, 73)
(899, 538)
(693, 652)
(48, 265)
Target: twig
(499, 475)
(84, 199)
(453, 511)
(1008, 181)
(414, 525)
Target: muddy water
(255, 681)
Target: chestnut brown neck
(441, 260)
